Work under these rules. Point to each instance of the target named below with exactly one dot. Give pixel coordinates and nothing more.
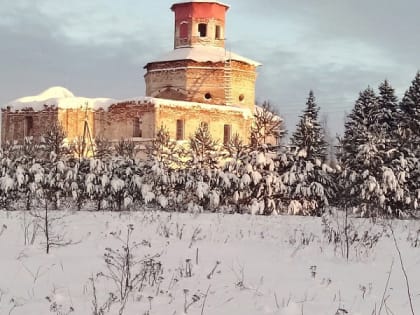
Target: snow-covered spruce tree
(121, 191)
(309, 135)
(307, 179)
(267, 127)
(228, 177)
(97, 182)
(387, 116)
(259, 184)
(398, 166)
(198, 176)
(249, 180)
(8, 185)
(410, 137)
(410, 116)
(357, 137)
(77, 180)
(161, 180)
(372, 178)
(307, 183)
(26, 154)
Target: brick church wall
(191, 81)
(120, 119)
(167, 116)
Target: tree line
(376, 171)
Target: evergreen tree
(409, 132)
(309, 135)
(373, 177)
(164, 150)
(410, 115)
(53, 140)
(387, 119)
(204, 149)
(358, 153)
(308, 184)
(359, 124)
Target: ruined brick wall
(167, 80)
(167, 116)
(25, 123)
(138, 120)
(125, 120)
(202, 82)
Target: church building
(199, 81)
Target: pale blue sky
(98, 48)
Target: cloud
(336, 48)
(38, 51)
(98, 48)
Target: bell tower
(199, 23)
(200, 69)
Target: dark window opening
(227, 134)
(207, 96)
(179, 129)
(136, 127)
(218, 32)
(241, 97)
(202, 29)
(29, 125)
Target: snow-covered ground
(209, 264)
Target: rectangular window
(179, 129)
(218, 34)
(183, 30)
(202, 29)
(136, 127)
(29, 124)
(227, 131)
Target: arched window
(183, 30)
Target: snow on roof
(62, 98)
(59, 97)
(163, 102)
(172, 103)
(203, 1)
(203, 54)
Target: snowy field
(207, 264)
